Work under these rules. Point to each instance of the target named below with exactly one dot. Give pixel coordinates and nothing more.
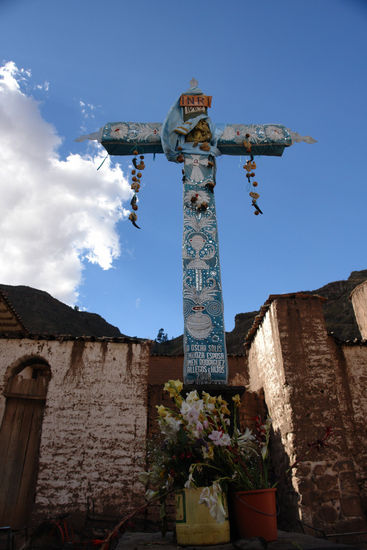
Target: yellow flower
(237, 400)
(208, 453)
(221, 401)
(224, 409)
(173, 387)
(205, 396)
(178, 384)
(208, 398)
(162, 411)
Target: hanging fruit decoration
(250, 168)
(136, 175)
(210, 186)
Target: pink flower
(191, 410)
(220, 439)
(197, 429)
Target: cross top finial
(194, 83)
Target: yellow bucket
(194, 524)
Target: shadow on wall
(287, 497)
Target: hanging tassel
(102, 162)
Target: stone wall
(94, 427)
(292, 358)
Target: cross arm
(122, 138)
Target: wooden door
(20, 435)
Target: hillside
(338, 309)
(43, 314)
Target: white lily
(213, 498)
(192, 396)
(246, 436)
(169, 425)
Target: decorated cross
(189, 136)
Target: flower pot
(255, 513)
(194, 524)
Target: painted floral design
(119, 131)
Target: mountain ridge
(41, 313)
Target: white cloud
(87, 109)
(54, 212)
(45, 86)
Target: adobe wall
(296, 363)
(94, 427)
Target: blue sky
(63, 223)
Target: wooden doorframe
(20, 436)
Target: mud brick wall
(292, 358)
(94, 427)
(164, 368)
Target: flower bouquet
(200, 446)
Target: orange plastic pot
(255, 514)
